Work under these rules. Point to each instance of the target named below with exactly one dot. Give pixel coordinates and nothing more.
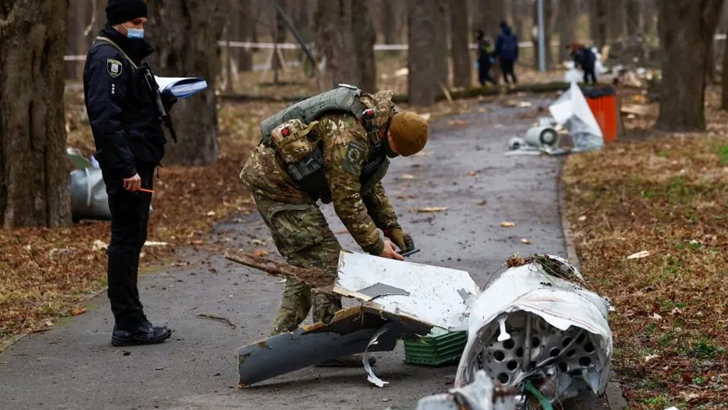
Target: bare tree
(364, 39)
(519, 15)
(598, 22)
(335, 41)
(185, 34)
(389, 25)
(632, 11)
(567, 18)
(33, 174)
(440, 43)
(615, 18)
(77, 16)
(420, 58)
(245, 32)
(649, 13)
(686, 34)
(459, 39)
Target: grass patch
(671, 306)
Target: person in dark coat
(486, 59)
(129, 146)
(506, 49)
(584, 59)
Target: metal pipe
(541, 39)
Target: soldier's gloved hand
(400, 238)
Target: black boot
(144, 334)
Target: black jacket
(123, 116)
(585, 59)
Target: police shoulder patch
(354, 157)
(114, 67)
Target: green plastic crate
(436, 350)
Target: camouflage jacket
(346, 149)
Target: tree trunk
(440, 47)
(615, 17)
(96, 21)
(389, 26)
(649, 11)
(77, 17)
(567, 18)
(686, 32)
(724, 81)
(33, 173)
(335, 41)
(632, 11)
(598, 22)
(420, 58)
(459, 39)
(364, 38)
(491, 13)
(246, 21)
(518, 12)
(185, 34)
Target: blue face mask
(134, 32)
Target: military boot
(352, 360)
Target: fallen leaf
(472, 173)
(408, 176)
(126, 353)
(99, 245)
(655, 316)
(651, 357)
(524, 104)
(260, 253)
(432, 209)
(341, 232)
(426, 116)
(457, 122)
(482, 110)
(525, 241)
(582, 218)
(78, 311)
(482, 202)
(508, 224)
(639, 255)
(211, 213)
(48, 322)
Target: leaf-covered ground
(666, 196)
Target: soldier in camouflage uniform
(348, 136)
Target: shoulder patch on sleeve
(114, 67)
(354, 159)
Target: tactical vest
(308, 173)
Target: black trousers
(507, 68)
(589, 72)
(484, 73)
(129, 221)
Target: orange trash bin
(603, 104)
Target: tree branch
(311, 276)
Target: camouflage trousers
(304, 239)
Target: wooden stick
(311, 276)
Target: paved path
(75, 367)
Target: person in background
(585, 60)
(485, 59)
(506, 49)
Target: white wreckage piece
(481, 394)
(534, 327)
(533, 323)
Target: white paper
(181, 87)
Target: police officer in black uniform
(129, 146)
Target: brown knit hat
(409, 133)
